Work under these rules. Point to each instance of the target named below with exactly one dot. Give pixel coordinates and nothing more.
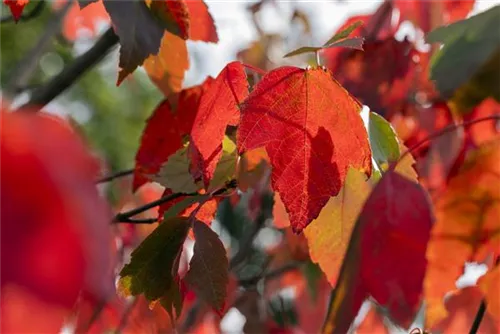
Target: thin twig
(22, 74)
(125, 216)
(444, 131)
(115, 175)
(139, 221)
(59, 83)
(36, 11)
(478, 318)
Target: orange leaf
(201, 27)
(219, 107)
(328, 236)
(467, 226)
(490, 286)
(312, 131)
(167, 68)
(373, 323)
(484, 131)
(165, 130)
(462, 307)
(16, 7)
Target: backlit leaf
(201, 23)
(167, 68)
(165, 130)
(467, 226)
(151, 268)
(312, 132)
(383, 140)
(174, 174)
(328, 236)
(219, 106)
(140, 33)
(86, 19)
(208, 269)
(396, 216)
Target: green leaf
(383, 140)
(468, 45)
(151, 270)
(173, 300)
(302, 50)
(174, 174)
(344, 33)
(352, 43)
(208, 269)
(338, 40)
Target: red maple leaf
(219, 107)
(312, 132)
(165, 130)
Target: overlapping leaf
(467, 226)
(165, 130)
(201, 23)
(372, 267)
(208, 269)
(154, 263)
(167, 68)
(219, 107)
(78, 18)
(312, 132)
(490, 288)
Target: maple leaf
(154, 263)
(219, 106)
(421, 12)
(165, 130)
(372, 267)
(16, 7)
(201, 27)
(467, 222)
(57, 201)
(312, 132)
(140, 29)
(208, 269)
(167, 68)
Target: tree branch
(36, 11)
(72, 72)
(22, 74)
(116, 175)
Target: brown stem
(444, 131)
